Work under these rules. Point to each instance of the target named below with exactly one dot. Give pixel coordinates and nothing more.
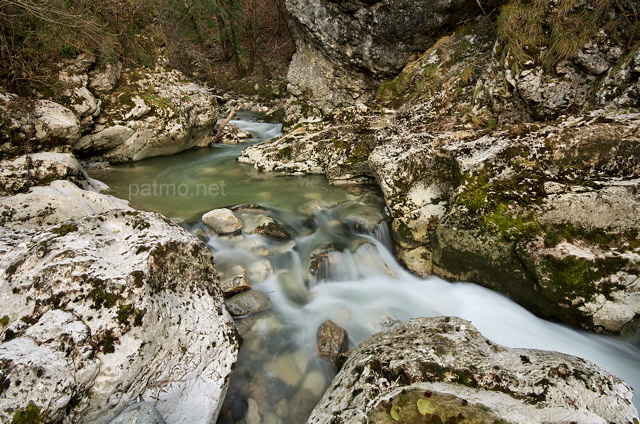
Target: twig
(224, 122)
(481, 8)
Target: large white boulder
(55, 121)
(101, 310)
(151, 114)
(442, 369)
(26, 171)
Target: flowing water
(337, 265)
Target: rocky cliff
(507, 153)
(345, 48)
(104, 111)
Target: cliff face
(345, 48)
(111, 113)
(508, 156)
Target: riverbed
(355, 282)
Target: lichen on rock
(443, 369)
(489, 150)
(151, 323)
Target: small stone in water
(332, 340)
(310, 207)
(236, 284)
(315, 383)
(248, 302)
(222, 220)
(253, 417)
(259, 271)
(286, 369)
(270, 228)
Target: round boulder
(222, 221)
(248, 302)
(443, 370)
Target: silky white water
(358, 283)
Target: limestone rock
(234, 135)
(52, 120)
(270, 228)
(438, 368)
(612, 277)
(311, 207)
(293, 287)
(592, 59)
(248, 302)
(360, 217)
(259, 271)
(55, 204)
(24, 172)
(253, 416)
(107, 139)
(139, 413)
(289, 368)
(140, 109)
(332, 340)
(104, 80)
(222, 220)
(636, 61)
(159, 113)
(479, 160)
(108, 308)
(338, 150)
(236, 284)
(341, 47)
(315, 382)
(84, 105)
(613, 207)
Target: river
(359, 285)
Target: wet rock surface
(248, 302)
(222, 221)
(443, 368)
(236, 284)
(269, 227)
(331, 341)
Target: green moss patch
(428, 407)
(101, 296)
(28, 415)
(574, 277)
(65, 229)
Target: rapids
(358, 283)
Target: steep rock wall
(518, 173)
(345, 48)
